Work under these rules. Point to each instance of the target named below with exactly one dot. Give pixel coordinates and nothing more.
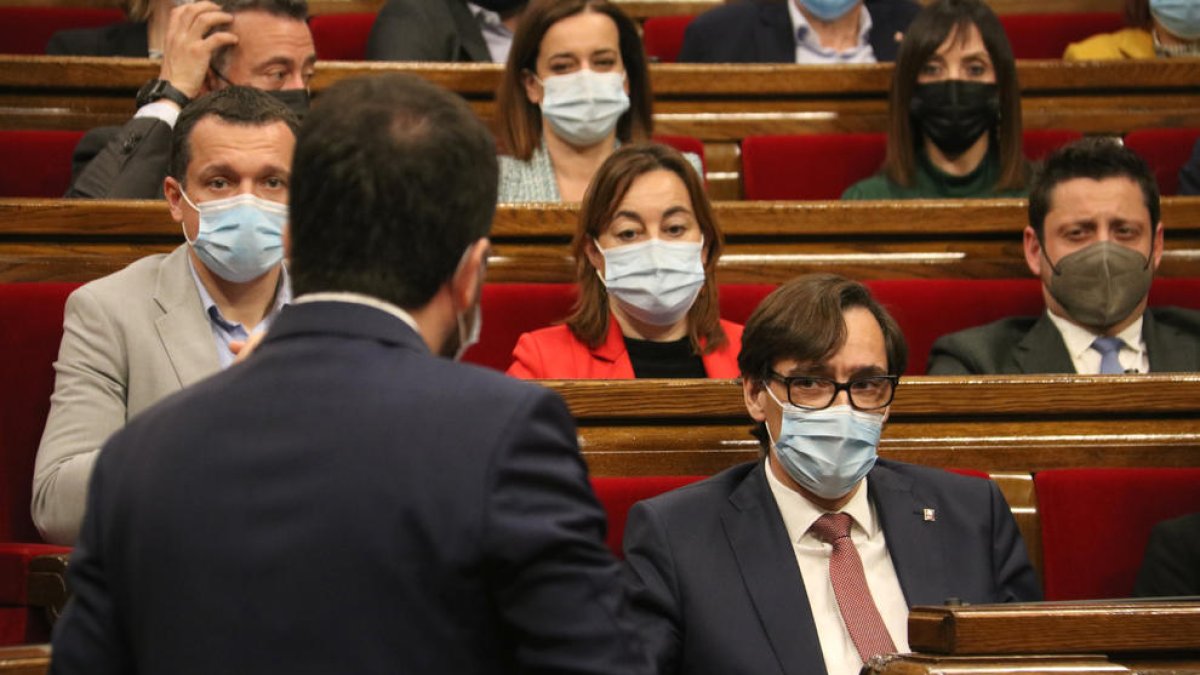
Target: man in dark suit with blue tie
(806, 562)
(345, 500)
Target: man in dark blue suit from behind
(345, 500)
(807, 561)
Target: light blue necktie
(1109, 347)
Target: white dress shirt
(1133, 356)
(497, 36)
(808, 45)
(812, 557)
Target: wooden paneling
(766, 242)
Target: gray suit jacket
(129, 339)
(426, 30)
(126, 162)
(1033, 345)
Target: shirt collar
(283, 296)
(799, 514)
(485, 17)
(805, 36)
(361, 299)
(1079, 339)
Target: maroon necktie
(859, 612)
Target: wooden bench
(719, 104)
(766, 242)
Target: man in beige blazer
(167, 320)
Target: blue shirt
(808, 45)
(225, 331)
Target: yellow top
(1130, 43)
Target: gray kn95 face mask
(1101, 284)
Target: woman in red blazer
(646, 250)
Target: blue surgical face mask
(241, 237)
(827, 451)
(828, 10)
(1180, 17)
(583, 107)
(654, 281)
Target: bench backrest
(26, 30)
(1096, 522)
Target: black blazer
(127, 38)
(1027, 344)
(1172, 563)
(760, 31)
(345, 502)
(718, 591)
(426, 30)
(126, 162)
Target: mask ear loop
(195, 208)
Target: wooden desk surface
(766, 242)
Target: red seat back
(811, 166)
(684, 144)
(663, 37)
(617, 494)
(1046, 36)
(44, 166)
(512, 309)
(1166, 151)
(1037, 143)
(341, 37)
(26, 30)
(1096, 522)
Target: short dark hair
(392, 179)
(286, 9)
(234, 105)
(931, 27)
(520, 121)
(1094, 157)
(803, 320)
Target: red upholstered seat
(663, 37)
(811, 166)
(1046, 36)
(512, 309)
(684, 144)
(26, 30)
(341, 37)
(44, 167)
(1037, 143)
(617, 494)
(1096, 522)
(822, 166)
(1166, 151)
(30, 330)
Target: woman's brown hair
(925, 35)
(590, 316)
(520, 123)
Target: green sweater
(931, 183)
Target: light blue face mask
(654, 281)
(828, 10)
(827, 451)
(1180, 17)
(584, 107)
(241, 237)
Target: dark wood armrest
(47, 584)
(25, 659)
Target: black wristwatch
(160, 89)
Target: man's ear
(173, 191)
(1033, 252)
(467, 282)
(753, 394)
(1158, 246)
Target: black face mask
(955, 113)
(499, 6)
(296, 100)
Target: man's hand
(186, 52)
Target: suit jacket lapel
(473, 43)
(772, 578)
(776, 36)
(1170, 350)
(183, 327)
(912, 540)
(1042, 350)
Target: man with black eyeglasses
(808, 560)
